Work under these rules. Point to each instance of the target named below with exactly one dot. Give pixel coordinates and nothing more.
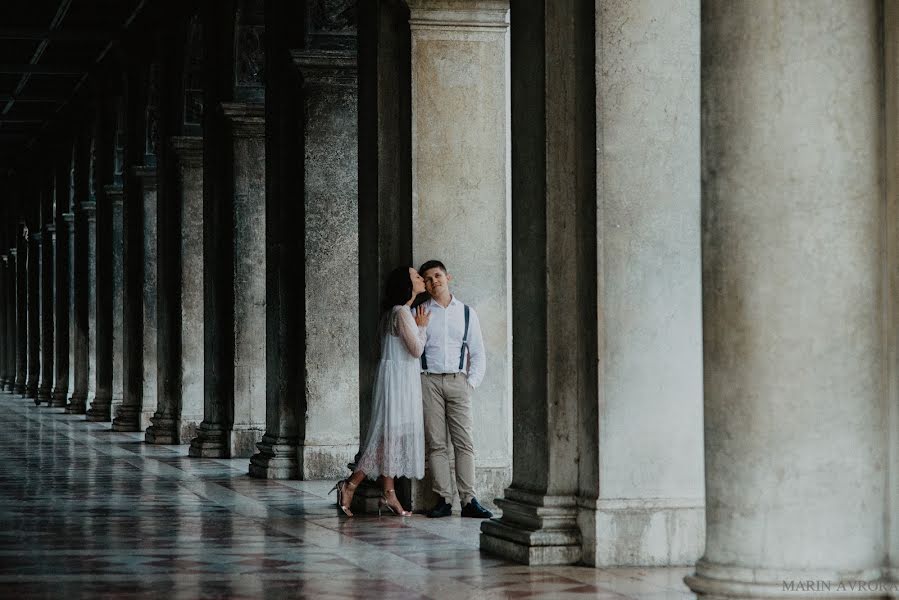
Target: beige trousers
(447, 412)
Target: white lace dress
(395, 442)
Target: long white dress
(395, 442)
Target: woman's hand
(422, 316)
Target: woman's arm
(412, 335)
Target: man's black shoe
(474, 510)
(442, 509)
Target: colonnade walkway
(86, 512)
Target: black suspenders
(424, 359)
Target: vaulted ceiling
(48, 50)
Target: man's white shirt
(443, 347)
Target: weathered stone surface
(64, 233)
(189, 152)
(34, 315)
(114, 194)
(460, 186)
(331, 258)
(21, 256)
(793, 313)
(4, 325)
(247, 124)
(97, 410)
(146, 176)
(45, 386)
(78, 315)
(9, 293)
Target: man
(452, 366)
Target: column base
(212, 441)
(636, 532)
(325, 462)
(4, 383)
(127, 418)
(277, 459)
(101, 409)
(77, 404)
(58, 398)
(19, 387)
(534, 529)
(44, 394)
(31, 391)
(717, 581)
(164, 430)
(188, 427)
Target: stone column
(114, 197)
(78, 324)
(10, 316)
(793, 297)
(247, 127)
(189, 154)
(175, 423)
(99, 400)
(553, 282)
(146, 184)
(329, 437)
(34, 315)
(4, 285)
(65, 233)
(21, 256)
(48, 281)
(460, 191)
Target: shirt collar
(452, 301)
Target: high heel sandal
(341, 487)
(382, 501)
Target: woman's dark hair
(398, 288)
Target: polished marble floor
(89, 513)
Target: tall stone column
(79, 344)
(461, 194)
(793, 297)
(98, 401)
(61, 293)
(48, 283)
(553, 280)
(114, 197)
(4, 282)
(147, 186)
(329, 436)
(21, 309)
(247, 127)
(10, 316)
(189, 154)
(34, 315)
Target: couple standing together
(432, 358)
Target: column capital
(146, 175)
(326, 67)
(473, 15)
(68, 217)
(247, 119)
(36, 237)
(13, 252)
(50, 228)
(188, 149)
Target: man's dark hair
(430, 265)
(397, 288)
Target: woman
(394, 444)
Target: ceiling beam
(43, 69)
(58, 35)
(36, 99)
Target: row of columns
(667, 292)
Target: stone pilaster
(554, 270)
(79, 315)
(34, 315)
(147, 186)
(330, 429)
(247, 128)
(48, 283)
(98, 402)
(4, 285)
(114, 196)
(21, 309)
(794, 238)
(62, 310)
(10, 316)
(189, 154)
(460, 199)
